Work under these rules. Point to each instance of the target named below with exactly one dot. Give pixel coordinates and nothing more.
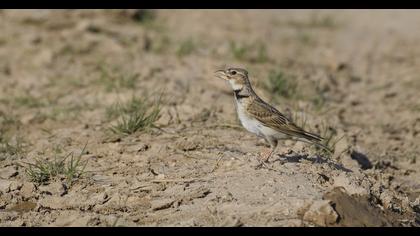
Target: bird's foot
(265, 156)
(263, 159)
(261, 164)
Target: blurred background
(68, 77)
(358, 67)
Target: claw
(261, 164)
(266, 155)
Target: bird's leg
(265, 156)
(261, 160)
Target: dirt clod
(357, 210)
(163, 143)
(321, 213)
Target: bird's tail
(316, 140)
(308, 137)
(312, 136)
(323, 147)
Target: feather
(271, 117)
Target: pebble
(27, 190)
(8, 172)
(321, 213)
(54, 188)
(5, 185)
(161, 204)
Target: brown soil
(198, 167)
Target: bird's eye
(233, 73)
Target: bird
(260, 118)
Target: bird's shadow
(296, 158)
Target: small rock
(53, 202)
(23, 207)
(28, 118)
(200, 192)
(164, 119)
(391, 201)
(27, 190)
(357, 211)
(386, 198)
(188, 144)
(232, 221)
(55, 188)
(138, 186)
(102, 180)
(321, 213)
(18, 222)
(72, 220)
(350, 184)
(349, 163)
(323, 178)
(98, 199)
(102, 198)
(8, 172)
(121, 222)
(113, 203)
(161, 204)
(3, 203)
(15, 186)
(134, 202)
(137, 148)
(5, 185)
(416, 205)
(160, 176)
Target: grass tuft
(68, 167)
(327, 132)
(158, 44)
(330, 140)
(186, 48)
(115, 80)
(305, 38)
(136, 115)
(28, 101)
(319, 99)
(316, 21)
(10, 148)
(8, 121)
(323, 21)
(262, 55)
(280, 84)
(255, 52)
(143, 15)
(238, 51)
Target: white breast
(250, 124)
(254, 126)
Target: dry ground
(351, 75)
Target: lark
(259, 117)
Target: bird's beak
(220, 74)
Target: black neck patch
(239, 96)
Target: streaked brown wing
(272, 118)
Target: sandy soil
(198, 168)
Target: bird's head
(237, 77)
